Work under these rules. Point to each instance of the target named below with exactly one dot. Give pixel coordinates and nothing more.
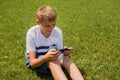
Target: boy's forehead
(45, 22)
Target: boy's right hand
(52, 54)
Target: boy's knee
(67, 58)
(52, 63)
(66, 62)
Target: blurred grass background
(91, 27)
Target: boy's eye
(49, 25)
(53, 24)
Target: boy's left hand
(68, 52)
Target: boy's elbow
(32, 65)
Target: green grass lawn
(91, 27)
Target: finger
(67, 51)
(65, 46)
(53, 49)
(70, 48)
(55, 52)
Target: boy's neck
(44, 34)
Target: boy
(42, 44)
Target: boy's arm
(35, 62)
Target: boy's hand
(68, 52)
(52, 54)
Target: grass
(91, 27)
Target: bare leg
(71, 68)
(56, 70)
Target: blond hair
(46, 13)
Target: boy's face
(47, 27)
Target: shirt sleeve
(60, 44)
(30, 42)
(60, 40)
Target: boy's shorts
(41, 69)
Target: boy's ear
(37, 21)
